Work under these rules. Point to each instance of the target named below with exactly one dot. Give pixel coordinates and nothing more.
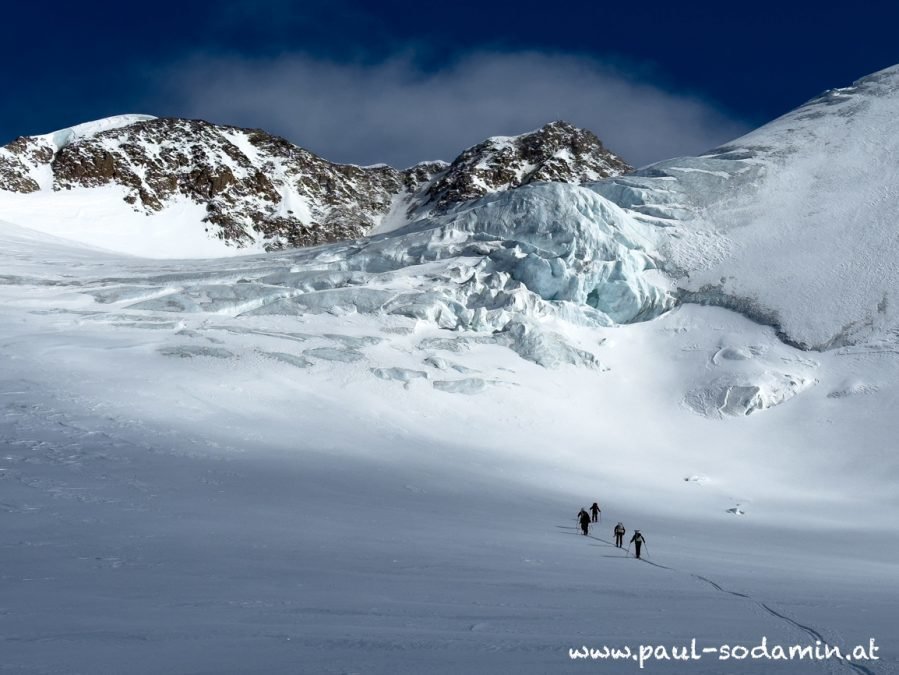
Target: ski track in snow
(811, 632)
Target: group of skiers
(595, 515)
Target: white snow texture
(368, 456)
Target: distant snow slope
(793, 224)
(100, 218)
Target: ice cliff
(507, 268)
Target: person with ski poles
(619, 535)
(584, 519)
(637, 540)
(595, 510)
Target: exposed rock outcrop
(256, 186)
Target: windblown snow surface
(793, 224)
(368, 457)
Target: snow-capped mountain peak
(251, 190)
(557, 152)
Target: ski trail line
(815, 634)
(808, 630)
(723, 590)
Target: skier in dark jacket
(584, 519)
(595, 511)
(637, 540)
(619, 535)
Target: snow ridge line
(808, 630)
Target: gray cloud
(397, 113)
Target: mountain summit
(249, 188)
(557, 152)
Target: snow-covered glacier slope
(367, 456)
(331, 461)
(521, 269)
(793, 224)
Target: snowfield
(203, 487)
(99, 217)
(368, 457)
(793, 223)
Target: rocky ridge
(257, 187)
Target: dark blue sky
(743, 63)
